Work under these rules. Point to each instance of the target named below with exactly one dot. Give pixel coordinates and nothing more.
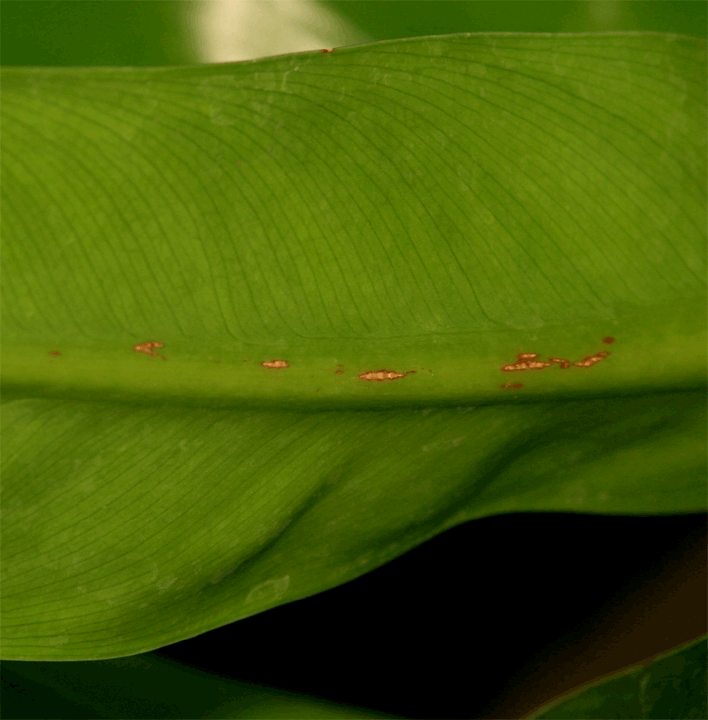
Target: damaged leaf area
(381, 375)
(149, 348)
(275, 364)
(527, 361)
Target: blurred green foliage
(409, 18)
(155, 32)
(94, 32)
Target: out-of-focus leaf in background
(671, 685)
(159, 32)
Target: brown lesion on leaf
(608, 340)
(528, 361)
(592, 359)
(275, 364)
(54, 353)
(515, 386)
(149, 347)
(381, 375)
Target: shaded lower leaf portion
(128, 528)
(672, 685)
(148, 686)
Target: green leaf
(671, 685)
(396, 223)
(151, 687)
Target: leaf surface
(268, 325)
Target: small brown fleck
(515, 386)
(148, 348)
(328, 51)
(608, 340)
(276, 364)
(217, 361)
(54, 353)
(380, 375)
(339, 372)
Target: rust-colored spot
(217, 361)
(608, 340)
(328, 51)
(54, 353)
(592, 359)
(148, 348)
(565, 364)
(380, 375)
(275, 364)
(515, 386)
(339, 372)
(526, 361)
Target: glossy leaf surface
(263, 321)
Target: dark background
(457, 627)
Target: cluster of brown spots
(380, 375)
(516, 386)
(275, 364)
(148, 348)
(527, 361)
(54, 353)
